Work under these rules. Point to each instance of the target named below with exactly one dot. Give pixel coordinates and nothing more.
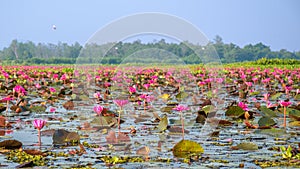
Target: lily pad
(167, 109)
(267, 112)
(182, 95)
(297, 97)
(294, 124)
(273, 132)
(163, 124)
(10, 144)
(208, 108)
(185, 148)
(234, 111)
(266, 121)
(104, 121)
(247, 146)
(62, 136)
(275, 96)
(293, 113)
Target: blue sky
(275, 23)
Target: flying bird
(54, 27)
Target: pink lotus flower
(97, 95)
(55, 76)
(98, 109)
(180, 108)
(146, 86)
(38, 86)
(52, 109)
(285, 103)
(243, 76)
(266, 96)
(254, 79)
(243, 106)
(19, 89)
(39, 123)
(52, 90)
(248, 84)
(132, 89)
(7, 98)
(266, 80)
(121, 103)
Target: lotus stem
(182, 124)
(39, 137)
(284, 116)
(119, 120)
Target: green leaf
(234, 111)
(254, 93)
(267, 112)
(293, 113)
(208, 108)
(297, 97)
(247, 146)
(273, 132)
(163, 124)
(266, 121)
(182, 95)
(185, 148)
(275, 96)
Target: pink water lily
(181, 108)
(132, 89)
(20, 90)
(52, 90)
(243, 106)
(98, 109)
(39, 124)
(120, 103)
(266, 96)
(285, 104)
(52, 109)
(97, 95)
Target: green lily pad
(234, 111)
(293, 113)
(254, 93)
(268, 112)
(163, 124)
(185, 148)
(266, 121)
(208, 108)
(182, 95)
(297, 97)
(294, 124)
(167, 109)
(273, 132)
(104, 121)
(275, 96)
(247, 146)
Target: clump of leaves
(21, 157)
(38, 109)
(186, 147)
(121, 159)
(288, 153)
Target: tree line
(115, 53)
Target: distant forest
(114, 53)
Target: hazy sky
(275, 23)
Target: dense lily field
(149, 117)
